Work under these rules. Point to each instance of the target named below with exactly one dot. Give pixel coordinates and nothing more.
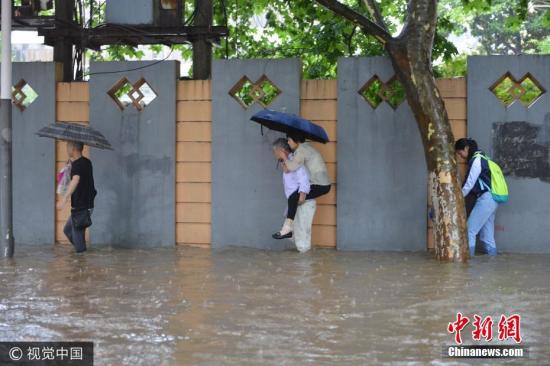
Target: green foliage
(546, 19)
(543, 45)
(509, 27)
(303, 29)
(376, 91)
(372, 93)
(502, 91)
(532, 92)
(306, 30)
(526, 91)
(455, 67)
(300, 29)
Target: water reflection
(187, 306)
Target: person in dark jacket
(478, 184)
(82, 193)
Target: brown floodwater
(191, 306)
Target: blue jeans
(482, 221)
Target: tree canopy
(302, 28)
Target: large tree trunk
(411, 55)
(449, 217)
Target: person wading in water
(82, 193)
(486, 183)
(306, 155)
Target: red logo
(508, 327)
(483, 329)
(457, 326)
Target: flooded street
(190, 306)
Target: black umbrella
(75, 133)
(290, 123)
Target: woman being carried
(307, 155)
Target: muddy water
(190, 306)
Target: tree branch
(375, 13)
(368, 26)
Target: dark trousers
(314, 192)
(76, 237)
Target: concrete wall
(318, 102)
(248, 202)
(193, 159)
(382, 171)
(522, 224)
(34, 157)
(193, 179)
(136, 202)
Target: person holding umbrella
(81, 188)
(303, 155)
(298, 130)
(82, 192)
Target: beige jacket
(307, 155)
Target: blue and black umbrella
(290, 123)
(77, 133)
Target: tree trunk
(449, 216)
(411, 56)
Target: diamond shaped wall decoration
(246, 92)
(23, 95)
(139, 94)
(509, 90)
(532, 90)
(375, 91)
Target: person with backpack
(485, 181)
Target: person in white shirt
(295, 182)
(306, 155)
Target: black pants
(76, 237)
(314, 192)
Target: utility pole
(6, 193)
(202, 49)
(63, 48)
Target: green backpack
(499, 188)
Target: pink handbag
(64, 178)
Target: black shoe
(278, 235)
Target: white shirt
(296, 180)
(471, 181)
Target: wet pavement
(191, 306)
